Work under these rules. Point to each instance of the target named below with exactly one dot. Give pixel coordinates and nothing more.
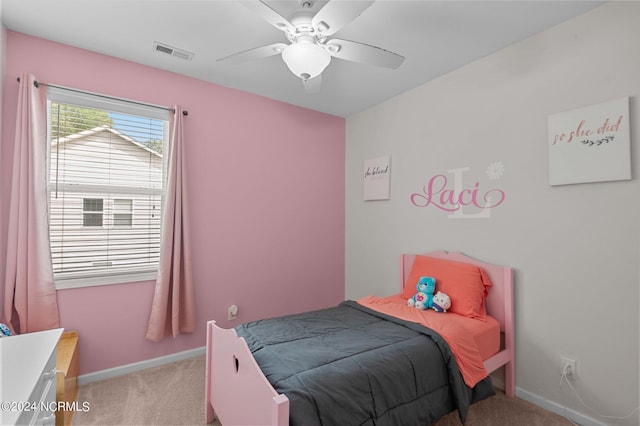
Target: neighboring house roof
(96, 130)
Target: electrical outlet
(232, 312)
(567, 367)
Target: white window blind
(106, 183)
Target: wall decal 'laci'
(452, 194)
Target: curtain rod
(38, 84)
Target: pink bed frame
(242, 395)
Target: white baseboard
(554, 407)
(137, 366)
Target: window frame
(124, 106)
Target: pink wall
(267, 196)
(3, 45)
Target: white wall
(574, 248)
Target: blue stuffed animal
(4, 330)
(423, 299)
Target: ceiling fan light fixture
(306, 60)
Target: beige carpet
(174, 395)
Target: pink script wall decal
(439, 194)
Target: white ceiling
(435, 37)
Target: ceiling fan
(310, 49)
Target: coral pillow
(467, 285)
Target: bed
(254, 372)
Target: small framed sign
(590, 144)
(376, 181)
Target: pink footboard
(236, 389)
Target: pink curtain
(173, 308)
(30, 300)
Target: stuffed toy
(423, 299)
(441, 302)
(4, 330)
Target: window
(106, 186)
(92, 211)
(122, 212)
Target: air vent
(168, 50)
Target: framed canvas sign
(590, 144)
(376, 183)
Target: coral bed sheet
(470, 340)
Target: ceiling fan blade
(312, 85)
(363, 53)
(268, 14)
(337, 13)
(253, 54)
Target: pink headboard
(500, 300)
